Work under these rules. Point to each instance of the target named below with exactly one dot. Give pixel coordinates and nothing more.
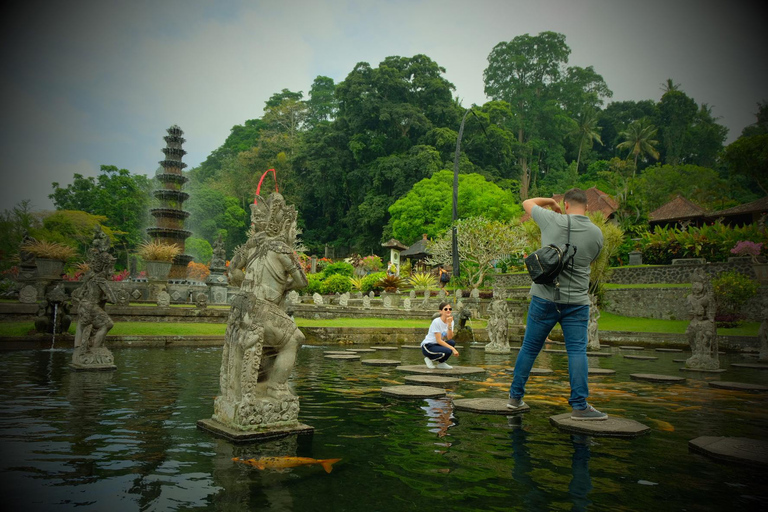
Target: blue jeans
(542, 317)
(437, 352)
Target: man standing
(569, 307)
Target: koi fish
(286, 462)
(663, 425)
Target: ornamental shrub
(335, 283)
(732, 290)
(341, 268)
(371, 282)
(314, 283)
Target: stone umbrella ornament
(256, 401)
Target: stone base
(242, 436)
(601, 371)
(91, 368)
(612, 427)
(754, 366)
(686, 369)
(737, 386)
(381, 362)
(96, 359)
(456, 370)
(431, 380)
(413, 391)
(654, 377)
(488, 406)
(384, 348)
(741, 450)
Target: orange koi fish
(287, 462)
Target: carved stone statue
(219, 258)
(53, 313)
(593, 339)
(498, 324)
(261, 339)
(201, 300)
(90, 300)
(701, 331)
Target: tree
(677, 112)
(748, 155)
(639, 141)
(481, 242)
(661, 183)
(322, 104)
(14, 224)
(428, 207)
(71, 227)
(586, 131)
(213, 213)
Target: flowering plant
(747, 248)
(372, 263)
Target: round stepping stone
(669, 350)
(384, 348)
(612, 427)
(359, 350)
(754, 366)
(684, 369)
(599, 354)
(752, 452)
(739, 386)
(679, 360)
(337, 352)
(654, 377)
(631, 347)
(381, 362)
(601, 371)
(487, 406)
(535, 371)
(456, 370)
(431, 380)
(343, 357)
(477, 347)
(411, 346)
(641, 358)
(413, 391)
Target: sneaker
(429, 363)
(444, 366)
(589, 413)
(516, 403)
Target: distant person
(438, 344)
(443, 276)
(392, 270)
(568, 306)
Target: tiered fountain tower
(169, 216)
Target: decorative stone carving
(475, 293)
(387, 302)
(371, 294)
(407, 303)
(219, 258)
(261, 339)
(163, 299)
(498, 325)
(122, 297)
(593, 339)
(317, 299)
(412, 294)
(425, 303)
(53, 314)
(441, 294)
(294, 297)
(344, 300)
(28, 294)
(366, 302)
(701, 331)
(176, 296)
(201, 300)
(459, 294)
(359, 295)
(90, 299)
(136, 294)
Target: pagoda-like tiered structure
(169, 216)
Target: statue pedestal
(96, 359)
(241, 436)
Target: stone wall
(675, 274)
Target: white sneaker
(444, 366)
(429, 363)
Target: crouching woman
(438, 345)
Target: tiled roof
(394, 243)
(417, 250)
(677, 209)
(759, 206)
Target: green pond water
(127, 440)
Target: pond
(127, 440)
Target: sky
(90, 83)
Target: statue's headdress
(273, 217)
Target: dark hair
(442, 305)
(576, 195)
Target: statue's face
(697, 287)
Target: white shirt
(436, 326)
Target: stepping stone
(612, 427)
(456, 370)
(669, 350)
(599, 354)
(554, 351)
(431, 380)
(739, 386)
(641, 358)
(679, 360)
(631, 347)
(411, 346)
(337, 352)
(535, 371)
(381, 362)
(343, 357)
(742, 450)
(653, 377)
(359, 350)
(684, 369)
(477, 347)
(601, 371)
(384, 348)
(487, 406)
(755, 366)
(413, 391)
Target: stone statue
(219, 258)
(344, 300)
(122, 297)
(412, 294)
(593, 338)
(317, 299)
(90, 300)
(762, 334)
(407, 303)
(163, 299)
(261, 339)
(201, 300)
(498, 324)
(701, 331)
(53, 313)
(475, 293)
(294, 297)
(366, 302)
(387, 302)
(425, 303)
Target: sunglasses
(447, 309)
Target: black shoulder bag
(544, 266)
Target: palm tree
(586, 131)
(638, 139)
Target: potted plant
(159, 258)
(50, 257)
(753, 249)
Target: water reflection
(581, 483)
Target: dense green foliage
(712, 242)
(732, 290)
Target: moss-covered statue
(261, 338)
(90, 299)
(701, 331)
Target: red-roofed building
(743, 214)
(678, 211)
(597, 201)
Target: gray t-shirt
(588, 239)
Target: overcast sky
(86, 83)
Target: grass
(611, 322)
